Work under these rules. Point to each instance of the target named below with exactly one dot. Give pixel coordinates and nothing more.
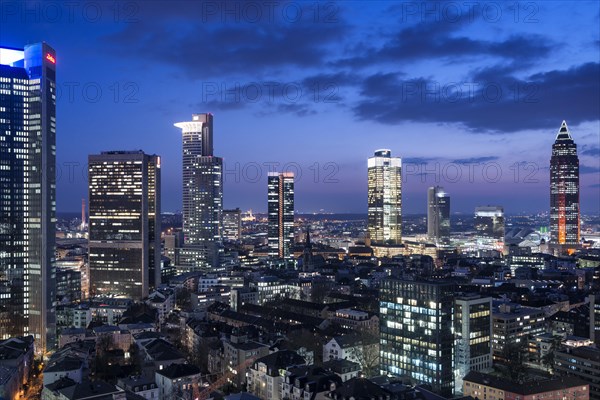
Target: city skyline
(274, 200)
(561, 80)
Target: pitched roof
(174, 371)
(280, 360)
(361, 389)
(90, 390)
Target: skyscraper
(564, 192)
(124, 227)
(28, 193)
(385, 198)
(489, 222)
(473, 331)
(280, 198)
(416, 332)
(438, 214)
(232, 224)
(202, 181)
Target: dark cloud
(299, 109)
(428, 32)
(217, 39)
(586, 169)
(417, 160)
(590, 150)
(491, 101)
(475, 160)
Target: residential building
(479, 385)
(177, 380)
(266, 375)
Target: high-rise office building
(416, 332)
(438, 214)
(564, 192)
(202, 182)
(124, 223)
(280, 198)
(489, 222)
(232, 224)
(473, 334)
(512, 325)
(385, 198)
(28, 193)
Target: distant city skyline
(122, 84)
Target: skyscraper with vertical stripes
(385, 198)
(202, 181)
(124, 228)
(28, 193)
(280, 198)
(564, 193)
(202, 195)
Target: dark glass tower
(438, 214)
(416, 332)
(124, 228)
(28, 193)
(564, 192)
(280, 198)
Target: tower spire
(563, 132)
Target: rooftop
(527, 388)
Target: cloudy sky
(469, 94)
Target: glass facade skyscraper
(384, 198)
(232, 224)
(416, 332)
(438, 214)
(124, 223)
(202, 182)
(489, 222)
(280, 198)
(28, 193)
(564, 192)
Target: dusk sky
(474, 96)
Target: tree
(514, 356)
(319, 291)
(104, 344)
(311, 341)
(366, 352)
(184, 298)
(548, 358)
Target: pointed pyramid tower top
(563, 132)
